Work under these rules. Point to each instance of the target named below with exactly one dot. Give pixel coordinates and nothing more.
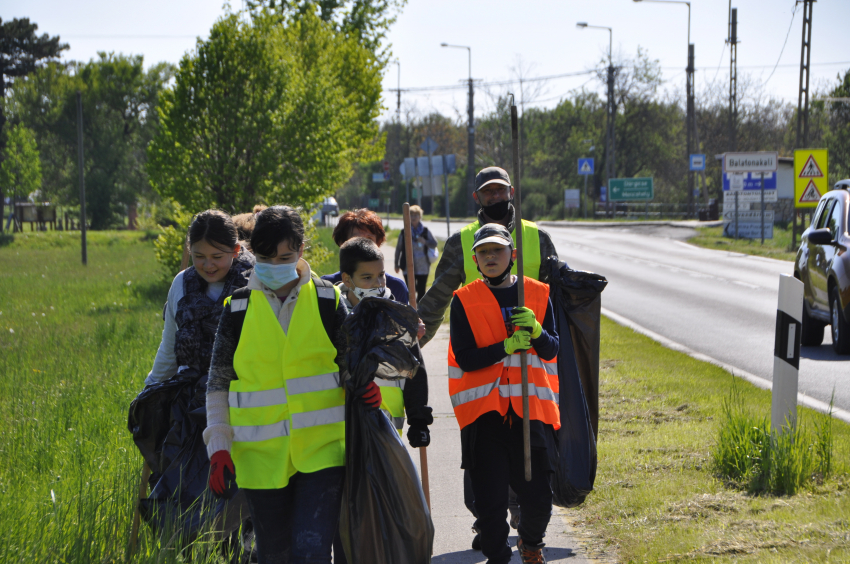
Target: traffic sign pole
(762, 208)
(585, 196)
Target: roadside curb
(691, 224)
(758, 381)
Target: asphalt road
(716, 303)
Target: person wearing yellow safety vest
(493, 192)
(275, 397)
(485, 384)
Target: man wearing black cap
(493, 192)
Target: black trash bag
(576, 303)
(384, 517)
(167, 421)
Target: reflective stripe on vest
(530, 250)
(287, 407)
(496, 387)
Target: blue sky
(540, 33)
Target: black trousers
(499, 463)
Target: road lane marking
(758, 381)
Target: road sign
(603, 194)
(748, 215)
(748, 229)
(378, 177)
(810, 176)
(750, 197)
(374, 203)
(759, 161)
(697, 162)
(451, 164)
(585, 166)
(422, 166)
(572, 198)
(408, 168)
(631, 189)
(744, 182)
(429, 145)
(414, 193)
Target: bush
(171, 241)
(752, 456)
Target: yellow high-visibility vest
(530, 250)
(287, 407)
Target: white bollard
(786, 352)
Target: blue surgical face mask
(275, 276)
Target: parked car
(328, 207)
(823, 265)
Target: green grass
(777, 248)
(658, 496)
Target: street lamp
(470, 164)
(610, 149)
(690, 126)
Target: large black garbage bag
(384, 518)
(576, 303)
(167, 421)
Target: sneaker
(530, 555)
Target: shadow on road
(552, 554)
(822, 352)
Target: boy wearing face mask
(488, 330)
(361, 264)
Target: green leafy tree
(119, 120)
(266, 113)
(20, 174)
(366, 20)
(838, 138)
(22, 51)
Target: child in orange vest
(488, 331)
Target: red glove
(371, 395)
(221, 471)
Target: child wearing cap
(488, 330)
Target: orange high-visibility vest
(495, 387)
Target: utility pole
(802, 138)
(690, 126)
(398, 133)
(81, 162)
(470, 128)
(733, 78)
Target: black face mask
(496, 280)
(498, 210)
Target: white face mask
(275, 276)
(361, 293)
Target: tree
(119, 120)
(21, 53)
(264, 112)
(838, 138)
(366, 20)
(21, 172)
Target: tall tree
(21, 171)
(264, 112)
(21, 52)
(366, 20)
(119, 120)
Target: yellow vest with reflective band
(530, 250)
(287, 408)
(392, 394)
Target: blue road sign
(585, 166)
(697, 162)
(378, 177)
(603, 194)
(429, 145)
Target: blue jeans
(297, 524)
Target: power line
(129, 36)
(495, 83)
(793, 14)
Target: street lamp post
(610, 144)
(690, 125)
(470, 151)
(398, 130)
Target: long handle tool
(411, 285)
(523, 356)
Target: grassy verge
(777, 248)
(658, 497)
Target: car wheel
(840, 326)
(811, 333)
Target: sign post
(810, 182)
(630, 189)
(585, 168)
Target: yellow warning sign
(810, 177)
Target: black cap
(491, 175)
(493, 233)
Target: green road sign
(630, 189)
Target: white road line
(803, 399)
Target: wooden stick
(523, 356)
(411, 284)
(137, 515)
